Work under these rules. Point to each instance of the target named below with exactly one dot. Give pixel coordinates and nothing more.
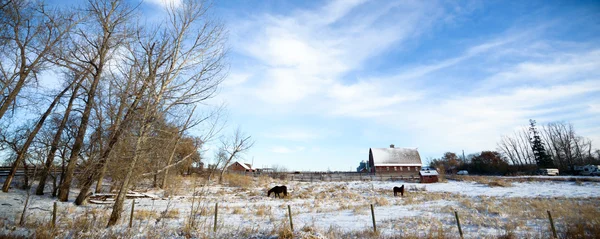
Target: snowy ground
(325, 209)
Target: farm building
(362, 168)
(241, 167)
(428, 175)
(396, 161)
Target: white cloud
(303, 61)
(165, 3)
(305, 55)
(235, 79)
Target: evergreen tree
(542, 159)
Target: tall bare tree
(30, 32)
(57, 135)
(97, 40)
(184, 72)
(23, 150)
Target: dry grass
(179, 185)
(173, 213)
(580, 229)
(264, 181)
(380, 201)
(237, 210)
(238, 180)
(499, 183)
(143, 214)
(263, 210)
(509, 217)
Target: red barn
(241, 167)
(394, 161)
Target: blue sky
(317, 83)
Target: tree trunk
(23, 151)
(164, 181)
(101, 178)
(55, 142)
(118, 206)
(13, 94)
(85, 187)
(100, 167)
(63, 196)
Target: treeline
(554, 145)
(560, 141)
(124, 97)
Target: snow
(322, 206)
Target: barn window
(388, 168)
(400, 168)
(395, 168)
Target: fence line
(289, 213)
(331, 176)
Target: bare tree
(30, 32)
(23, 150)
(57, 136)
(233, 148)
(186, 71)
(98, 40)
(177, 139)
(517, 148)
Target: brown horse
(399, 190)
(277, 190)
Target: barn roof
(245, 165)
(396, 157)
(428, 173)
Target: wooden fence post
(132, 208)
(552, 224)
(373, 216)
(216, 213)
(291, 222)
(54, 215)
(458, 224)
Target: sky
(318, 83)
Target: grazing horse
(277, 190)
(399, 190)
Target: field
(487, 207)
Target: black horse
(277, 190)
(399, 190)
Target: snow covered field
(323, 210)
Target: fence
(5, 171)
(289, 213)
(331, 176)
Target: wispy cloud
(165, 3)
(305, 55)
(351, 62)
